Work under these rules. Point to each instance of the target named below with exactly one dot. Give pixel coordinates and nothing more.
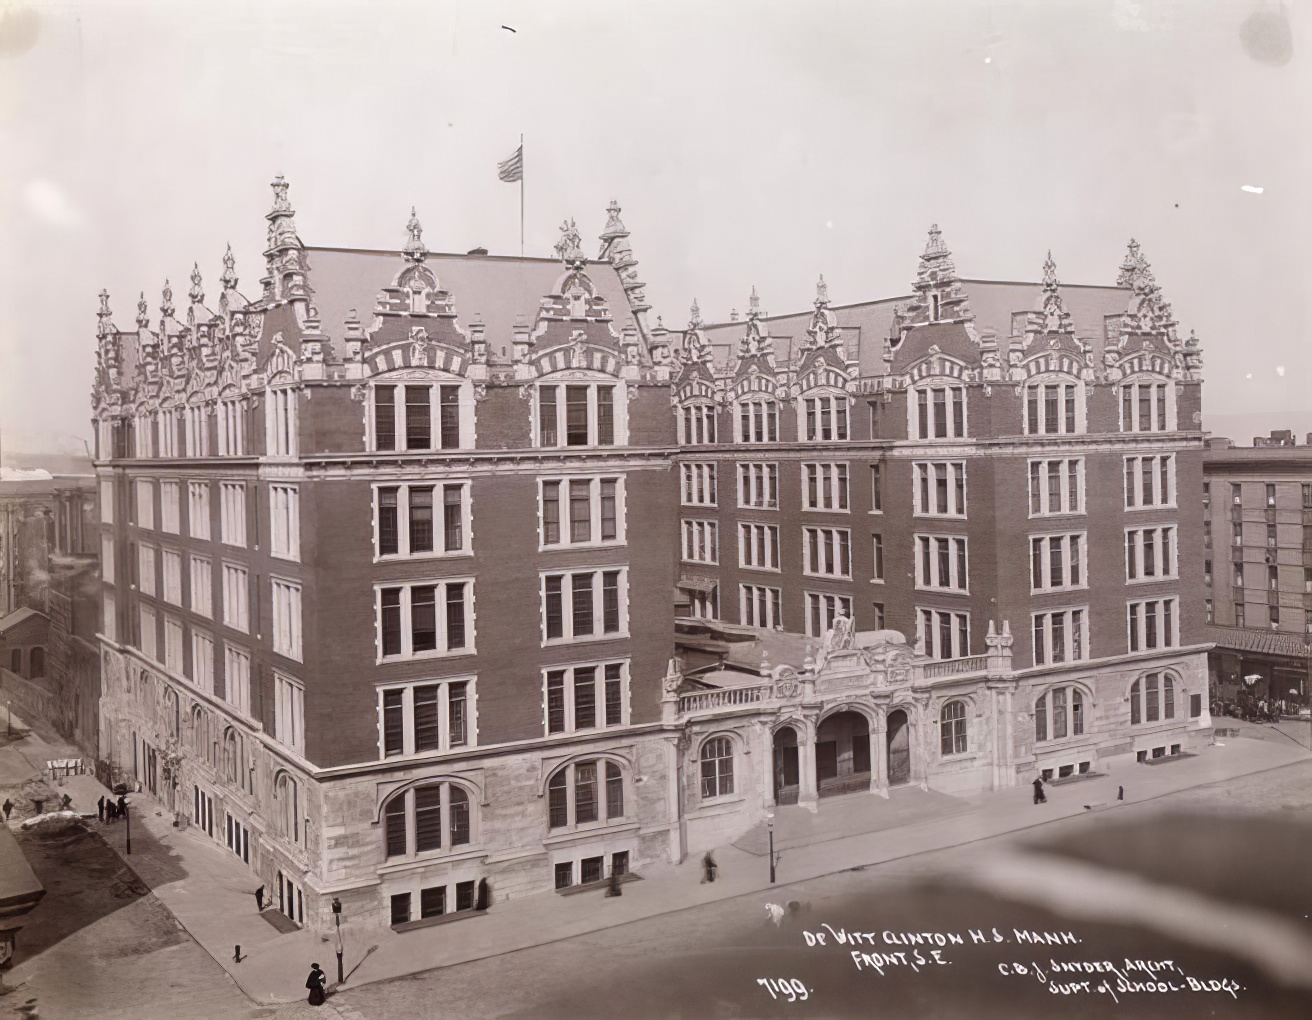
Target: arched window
(231, 759)
(573, 797)
(952, 728)
(173, 713)
(697, 423)
(1059, 713)
(717, 768)
(1152, 698)
(197, 733)
(427, 818)
(288, 809)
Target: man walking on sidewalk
(100, 808)
(1039, 798)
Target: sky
(749, 144)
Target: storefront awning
(699, 584)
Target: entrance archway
(787, 776)
(842, 754)
(898, 748)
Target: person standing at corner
(315, 984)
(8, 806)
(259, 898)
(1039, 798)
(100, 808)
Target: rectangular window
(879, 616)
(1051, 408)
(237, 679)
(876, 489)
(232, 429)
(877, 566)
(198, 510)
(107, 558)
(422, 717)
(824, 487)
(171, 561)
(1150, 481)
(202, 661)
(149, 633)
(946, 635)
(940, 488)
(940, 413)
(592, 603)
(758, 421)
(758, 546)
(699, 484)
(202, 587)
(107, 501)
(1061, 636)
(1056, 487)
(582, 511)
(701, 542)
(385, 417)
(1147, 407)
(758, 486)
(236, 597)
(586, 697)
(580, 415)
(109, 617)
(285, 521)
(760, 606)
(289, 713)
(232, 513)
(170, 507)
(941, 563)
(405, 523)
(146, 569)
(1153, 623)
(1057, 562)
(145, 490)
(173, 644)
(827, 552)
(825, 418)
(821, 608)
(286, 618)
(1150, 554)
(281, 435)
(698, 424)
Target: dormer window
(1053, 406)
(938, 412)
(934, 307)
(582, 414)
(825, 418)
(1147, 405)
(422, 416)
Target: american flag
(512, 169)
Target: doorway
(899, 748)
(842, 754)
(787, 775)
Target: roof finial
(935, 245)
(694, 316)
(822, 293)
(568, 247)
(102, 315)
(229, 277)
(197, 293)
(104, 304)
(1056, 318)
(754, 305)
(282, 228)
(1133, 267)
(414, 249)
(166, 304)
(143, 312)
(280, 203)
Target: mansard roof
(496, 290)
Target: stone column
(808, 795)
(765, 769)
(674, 786)
(921, 745)
(879, 752)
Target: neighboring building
(1257, 507)
(50, 560)
(390, 553)
(388, 612)
(990, 469)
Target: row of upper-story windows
(186, 431)
(1268, 494)
(284, 512)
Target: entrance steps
(849, 815)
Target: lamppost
(337, 918)
(769, 822)
(127, 817)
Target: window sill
(420, 557)
(605, 543)
(828, 577)
(590, 831)
(436, 919)
(587, 639)
(422, 656)
(825, 510)
(1062, 743)
(765, 570)
(601, 883)
(729, 801)
(1152, 580)
(957, 759)
(396, 866)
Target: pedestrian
(111, 812)
(100, 808)
(259, 898)
(315, 984)
(1039, 798)
(122, 805)
(708, 868)
(67, 802)
(1120, 793)
(8, 806)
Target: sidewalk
(211, 893)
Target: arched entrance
(899, 748)
(787, 777)
(842, 754)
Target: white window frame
(701, 542)
(564, 521)
(699, 483)
(830, 485)
(202, 660)
(958, 548)
(1068, 710)
(107, 501)
(146, 569)
(1164, 539)
(198, 510)
(598, 697)
(1042, 479)
(598, 604)
(1162, 476)
(149, 633)
(952, 429)
(439, 550)
(1072, 565)
(443, 649)
(144, 489)
(289, 712)
(933, 642)
(237, 681)
(758, 485)
(171, 568)
(705, 605)
(1040, 427)
(107, 557)
(750, 536)
(201, 578)
(407, 690)
(698, 425)
(925, 475)
(232, 427)
(620, 410)
(285, 602)
(232, 514)
(750, 612)
(236, 597)
(763, 416)
(819, 412)
(197, 431)
(280, 421)
(285, 522)
(1074, 644)
(1161, 386)
(109, 618)
(1136, 626)
(168, 432)
(823, 547)
(170, 507)
(173, 655)
(828, 605)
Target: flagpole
(521, 196)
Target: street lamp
(127, 817)
(769, 822)
(337, 918)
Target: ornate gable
(574, 328)
(823, 361)
(696, 378)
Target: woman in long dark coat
(315, 984)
